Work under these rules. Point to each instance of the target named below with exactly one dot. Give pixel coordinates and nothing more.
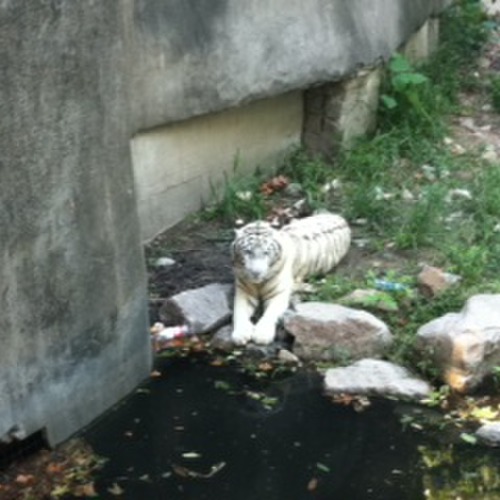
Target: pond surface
(279, 440)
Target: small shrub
(239, 197)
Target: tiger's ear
(238, 232)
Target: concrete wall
(178, 166)
(196, 57)
(73, 321)
(79, 81)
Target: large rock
(489, 433)
(202, 309)
(376, 378)
(465, 346)
(333, 332)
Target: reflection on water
(454, 473)
(205, 432)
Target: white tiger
(269, 263)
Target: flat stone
(464, 346)
(373, 377)
(333, 332)
(489, 433)
(490, 156)
(202, 309)
(287, 357)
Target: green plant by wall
(406, 96)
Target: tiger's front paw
(264, 333)
(243, 334)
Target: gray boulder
(202, 309)
(222, 339)
(489, 433)
(332, 332)
(373, 377)
(464, 346)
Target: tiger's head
(256, 252)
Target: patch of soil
(65, 471)
(200, 250)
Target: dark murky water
(279, 441)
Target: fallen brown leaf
(25, 479)
(86, 490)
(265, 367)
(312, 484)
(54, 468)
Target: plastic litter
(390, 286)
(162, 334)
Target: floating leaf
(222, 385)
(468, 438)
(484, 413)
(388, 101)
(322, 467)
(116, 490)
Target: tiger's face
(255, 251)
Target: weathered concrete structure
(94, 94)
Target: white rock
(454, 194)
(294, 189)
(361, 242)
(429, 172)
(164, 262)
(333, 332)
(465, 346)
(458, 149)
(244, 195)
(492, 7)
(468, 123)
(287, 357)
(407, 195)
(489, 433)
(376, 377)
(490, 156)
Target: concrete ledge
(193, 58)
(177, 167)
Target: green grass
(408, 155)
(495, 93)
(400, 182)
(239, 197)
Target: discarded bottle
(390, 286)
(161, 335)
(173, 332)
